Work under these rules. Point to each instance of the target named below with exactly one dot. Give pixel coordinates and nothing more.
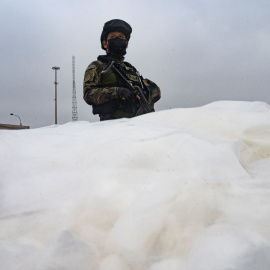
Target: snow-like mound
(182, 189)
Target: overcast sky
(196, 51)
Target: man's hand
(126, 94)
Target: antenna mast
(74, 99)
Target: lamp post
(18, 117)
(55, 82)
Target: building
(13, 127)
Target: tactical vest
(112, 79)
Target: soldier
(107, 92)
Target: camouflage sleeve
(93, 92)
(154, 89)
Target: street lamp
(55, 82)
(18, 117)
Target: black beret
(115, 25)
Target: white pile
(182, 189)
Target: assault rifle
(144, 105)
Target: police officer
(107, 92)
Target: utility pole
(74, 99)
(55, 82)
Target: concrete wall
(7, 126)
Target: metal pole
(55, 82)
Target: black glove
(126, 94)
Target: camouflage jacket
(100, 89)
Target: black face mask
(117, 46)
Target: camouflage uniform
(100, 89)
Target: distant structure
(10, 127)
(55, 83)
(74, 99)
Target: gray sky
(196, 51)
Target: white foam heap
(183, 189)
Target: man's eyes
(122, 37)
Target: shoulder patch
(92, 66)
(89, 75)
